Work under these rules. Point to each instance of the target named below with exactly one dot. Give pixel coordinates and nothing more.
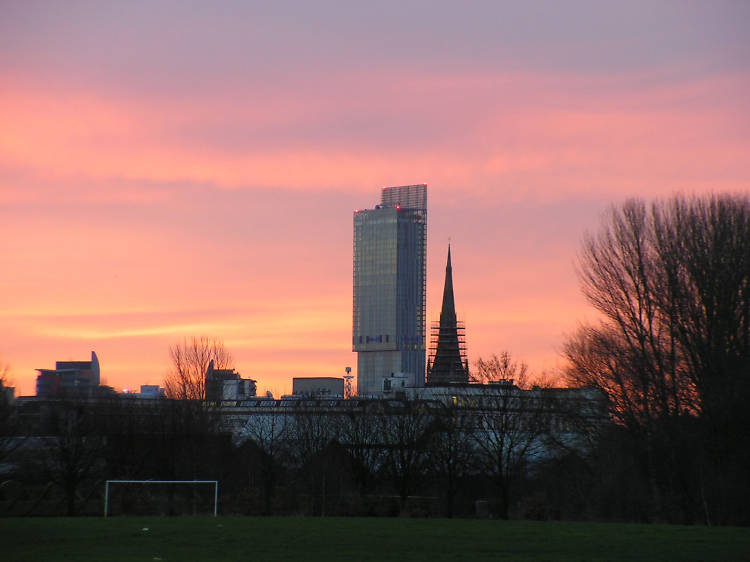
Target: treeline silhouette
(482, 455)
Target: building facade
(389, 289)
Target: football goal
(109, 485)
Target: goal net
(161, 497)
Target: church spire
(447, 341)
(448, 312)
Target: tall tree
(314, 436)
(633, 353)
(72, 455)
(450, 451)
(672, 283)
(406, 428)
(359, 435)
(703, 248)
(188, 362)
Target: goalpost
(214, 482)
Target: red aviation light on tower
(356, 211)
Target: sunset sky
(170, 169)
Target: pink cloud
(131, 221)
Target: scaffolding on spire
(447, 363)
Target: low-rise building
(318, 387)
(151, 392)
(69, 379)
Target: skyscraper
(389, 288)
(448, 350)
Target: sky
(170, 169)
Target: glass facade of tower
(389, 288)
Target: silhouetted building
(389, 288)
(69, 378)
(318, 387)
(226, 384)
(448, 364)
(151, 392)
(7, 393)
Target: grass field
(353, 539)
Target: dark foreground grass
(353, 539)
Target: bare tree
(633, 354)
(501, 368)
(451, 450)
(13, 431)
(72, 456)
(4, 374)
(703, 249)
(313, 436)
(672, 283)
(359, 435)
(508, 425)
(188, 362)
(406, 429)
(598, 357)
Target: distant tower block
(448, 364)
(388, 328)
